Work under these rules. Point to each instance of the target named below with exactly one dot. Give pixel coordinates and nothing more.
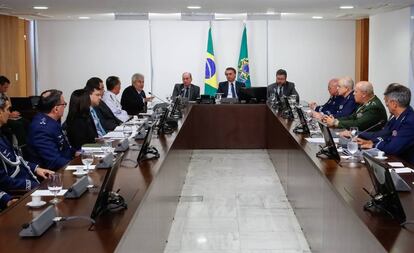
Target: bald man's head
(364, 91)
(187, 78)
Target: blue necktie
(233, 92)
(101, 131)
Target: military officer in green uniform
(370, 112)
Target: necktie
(280, 91)
(233, 92)
(101, 131)
(187, 93)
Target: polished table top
(246, 126)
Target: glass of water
(352, 147)
(127, 130)
(354, 132)
(218, 98)
(87, 159)
(54, 185)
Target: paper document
(403, 170)
(396, 164)
(320, 140)
(48, 193)
(114, 135)
(75, 167)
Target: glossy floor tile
(241, 207)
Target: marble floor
(232, 201)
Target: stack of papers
(114, 135)
(75, 167)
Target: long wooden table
(327, 197)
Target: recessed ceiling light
(194, 7)
(270, 11)
(84, 18)
(40, 7)
(346, 7)
(317, 17)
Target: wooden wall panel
(13, 54)
(361, 50)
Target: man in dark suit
(107, 118)
(231, 87)
(134, 100)
(186, 89)
(282, 87)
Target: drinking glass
(54, 185)
(354, 132)
(107, 147)
(352, 148)
(127, 130)
(87, 159)
(218, 98)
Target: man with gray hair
(134, 100)
(397, 137)
(371, 112)
(186, 89)
(332, 105)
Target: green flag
(210, 83)
(243, 64)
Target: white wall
(389, 49)
(311, 51)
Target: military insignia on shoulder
(42, 121)
(394, 133)
(341, 106)
(359, 115)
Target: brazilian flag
(243, 65)
(210, 83)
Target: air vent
(131, 16)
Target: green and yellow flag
(210, 83)
(243, 65)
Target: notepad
(114, 135)
(396, 164)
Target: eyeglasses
(64, 104)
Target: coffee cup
(36, 199)
(380, 154)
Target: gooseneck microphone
(157, 97)
(371, 127)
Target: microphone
(157, 97)
(371, 127)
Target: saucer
(381, 158)
(31, 204)
(82, 173)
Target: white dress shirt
(229, 93)
(111, 100)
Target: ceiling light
(317, 17)
(40, 7)
(194, 7)
(84, 18)
(270, 11)
(346, 7)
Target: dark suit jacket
(132, 102)
(224, 88)
(108, 120)
(288, 89)
(179, 90)
(81, 130)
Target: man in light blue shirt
(113, 86)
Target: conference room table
(326, 196)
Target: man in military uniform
(370, 111)
(47, 142)
(5, 200)
(332, 105)
(397, 137)
(15, 172)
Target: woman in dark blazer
(79, 123)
